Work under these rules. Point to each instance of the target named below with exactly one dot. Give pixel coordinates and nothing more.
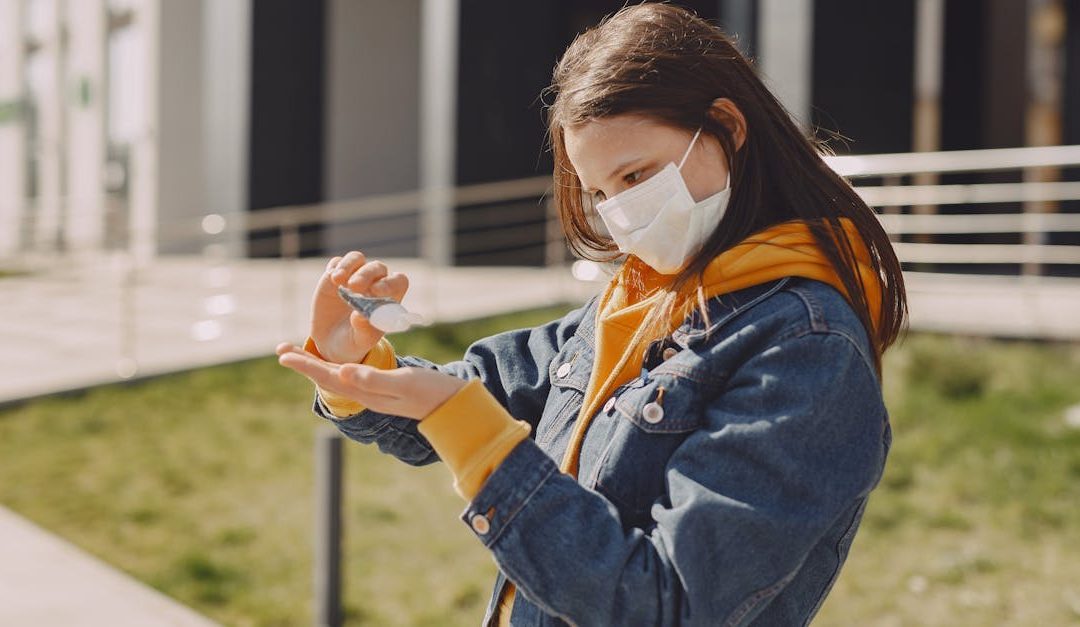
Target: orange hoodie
(473, 433)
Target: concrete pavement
(47, 582)
(86, 324)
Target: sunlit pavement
(999, 306)
(47, 581)
(87, 324)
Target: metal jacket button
(563, 370)
(670, 352)
(480, 524)
(652, 412)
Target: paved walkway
(47, 582)
(84, 324)
(75, 327)
(999, 306)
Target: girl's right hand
(342, 334)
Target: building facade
(124, 122)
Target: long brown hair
(665, 62)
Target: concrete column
(144, 144)
(84, 96)
(785, 48)
(46, 80)
(1043, 116)
(929, 55)
(226, 104)
(12, 128)
(181, 182)
(377, 152)
(438, 126)
(929, 52)
(737, 17)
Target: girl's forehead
(612, 128)
(594, 146)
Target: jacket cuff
(472, 433)
(380, 356)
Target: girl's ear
(724, 111)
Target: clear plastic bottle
(385, 314)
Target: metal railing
(1035, 219)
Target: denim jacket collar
(722, 308)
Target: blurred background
(175, 174)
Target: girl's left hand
(410, 392)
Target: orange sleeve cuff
(380, 356)
(472, 433)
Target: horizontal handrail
(398, 202)
(983, 160)
(913, 252)
(978, 193)
(899, 223)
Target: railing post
(554, 247)
(127, 362)
(289, 248)
(328, 468)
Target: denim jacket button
(670, 352)
(480, 524)
(563, 370)
(652, 412)
(609, 404)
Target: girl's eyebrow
(624, 164)
(619, 168)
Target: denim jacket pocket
(569, 375)
(648, 422)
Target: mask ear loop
(688, 148)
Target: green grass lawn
(200, 484)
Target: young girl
(695, 445)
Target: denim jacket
(732, 502)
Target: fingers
(386, 383)
(322, 373)
(393, 285)
(363, 278)
(355, 271)
(347, 265)
(366, 384)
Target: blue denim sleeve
(783, 452)
(513, 366)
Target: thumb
(361, 324)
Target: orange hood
(785, 249)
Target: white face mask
(658, 220)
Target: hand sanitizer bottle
(385, 314)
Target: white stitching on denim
(522, 502)
(707, 332)
(757, 597)
(836, 571)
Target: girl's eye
(633, 177)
